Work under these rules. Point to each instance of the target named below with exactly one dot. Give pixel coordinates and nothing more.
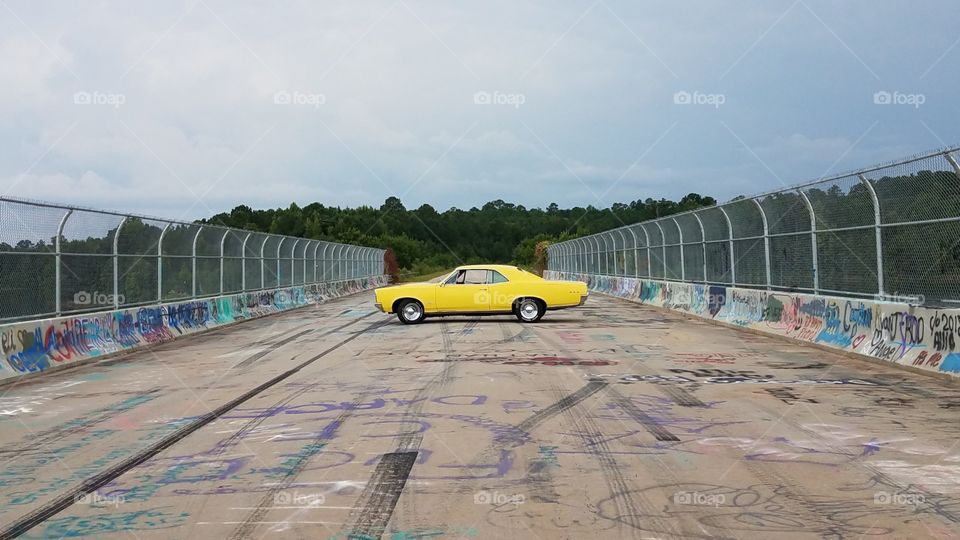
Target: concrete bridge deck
(609, 421)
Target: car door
(468, 293)
(502, 292)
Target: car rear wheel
(529, 310)
(410, 312)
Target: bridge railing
(57, 260)
(889, 232)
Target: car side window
(475, 277)
(497, 277)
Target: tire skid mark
(372, 513)
(659, 432)
(680, 396)
(253, 358)
(91, 484)
(561, 405)
(316, 445)
(412, 441)
(595, 444)
(253, 423)
(38, 440)
(878, 475)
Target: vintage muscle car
(485, 289)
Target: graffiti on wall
(921, 337)
(36, 346)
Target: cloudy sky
(185, 109)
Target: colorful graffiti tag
(900, 333)
(37, 346)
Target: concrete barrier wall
(28, 348)
(924, 338)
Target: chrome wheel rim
(411, 312)
(529, 310)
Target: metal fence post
(636, 268)
(323, 276)
(223, 240)
(116, 264)
(663, 248)
(813, 241)
(315, 248)
(263, 262)
(193, 258)
(703, 245)
(953, 162)
(623, 238)
(733, 264)
(293, 262)
(766, 241)
(58, 249)
(646, 237)
(160, 262)
(683, 270)
(279, 247)
(597, 258)
(878, 231)
(243, 262)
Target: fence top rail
(790, 188)
(70, 207)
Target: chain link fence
(57, 260)
(890, 232)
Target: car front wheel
(529, 310)
(410, 312)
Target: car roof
(488, 267)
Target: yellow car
(485, 289)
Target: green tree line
(425, 240)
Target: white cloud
(398, 80)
